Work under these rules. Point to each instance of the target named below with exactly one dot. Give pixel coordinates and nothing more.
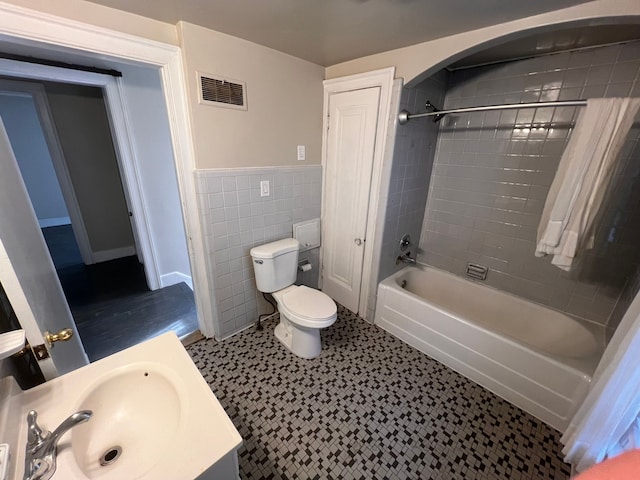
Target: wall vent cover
(222, 92)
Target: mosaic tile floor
(369, 407)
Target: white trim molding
(55, 34)
(384, 80)
(174, 278)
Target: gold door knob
(61, 336)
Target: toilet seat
(308, 307)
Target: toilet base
(303, 342)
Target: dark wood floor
(110, 302)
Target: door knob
(62, 336)
(358, 241)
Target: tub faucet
(40, 459)
(406, 258)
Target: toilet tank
(275, 264)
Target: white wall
(416, 62)
(151, 140)
(284, 96)
(21, 121)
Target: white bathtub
(536, 358)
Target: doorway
(28, 32)
(105, 283)
(355, 159)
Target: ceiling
(327, 32)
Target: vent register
(222, 92)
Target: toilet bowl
(303, 310)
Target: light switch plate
(302, 152)
(264, 188)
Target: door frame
(382, 78)
(53, 34)
(37, 93)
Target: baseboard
(54, 222)
(191, 338)
(174, 278)
(106, 255)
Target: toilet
(303, 310)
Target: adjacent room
(93, 248)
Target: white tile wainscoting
(235, 218)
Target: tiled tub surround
(236, 218)
(413, 153)
(493, 170)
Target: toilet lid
(309, 303)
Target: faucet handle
(405, 242)
(35, 434)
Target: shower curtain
(586, 168)
(613, 401)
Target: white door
(353, 118)
(28, 275)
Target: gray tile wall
(493, 170)
(413, 154)
(236, 218)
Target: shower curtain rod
(404, 116)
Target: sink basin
(154, 417)
(128, 433)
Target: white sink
(154, 417)
(122, 425)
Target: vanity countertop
(180, 428)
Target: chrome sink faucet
(406, 258)
(40, 459)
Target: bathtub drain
(110, 456)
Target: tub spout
(406, 258)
